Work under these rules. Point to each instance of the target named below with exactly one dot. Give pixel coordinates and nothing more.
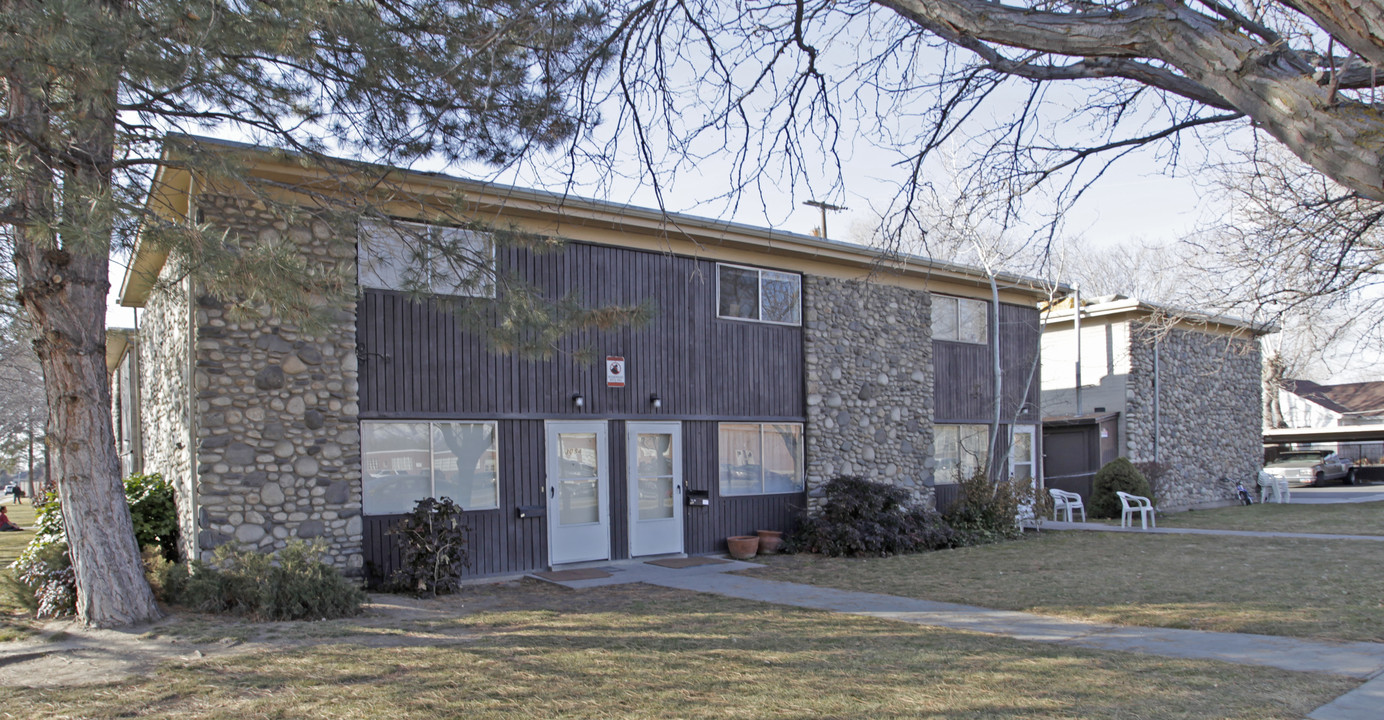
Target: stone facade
(165, 413)
(275, 415)
(1208, 422)
(868, 359)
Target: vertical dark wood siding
(418, 361)
(501, 543)
(705, 529)
(964, 389)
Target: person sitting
(5, 524)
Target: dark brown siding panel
(619, 492)
(964, 386)
(416, 359)
(1019, 338)
(706, 528)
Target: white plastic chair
(1131, 504)
(1065, 502)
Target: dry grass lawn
(526, 651)
(1335, 519)
(1323, 589)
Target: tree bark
(63, 283)
(1274, 87)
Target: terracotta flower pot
(743, 547)
(769, 541)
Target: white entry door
(655, 487)
(578, 492)
(1022, 458)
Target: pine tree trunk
(63, 284)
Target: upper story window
(749, 293)
(426, 258)
(960, 319)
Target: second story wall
(418, 360)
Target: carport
(1362, 443)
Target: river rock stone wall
(868, 358)
(278, 440)
(1209, 414)
(165, 418)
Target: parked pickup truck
(1312, 467)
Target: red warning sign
(615, 371)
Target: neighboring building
(1156, 384)
(122, 362)
(1354, 407)
(773, 363)
(1306, 404)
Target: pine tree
(90, 90)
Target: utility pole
(824, 208)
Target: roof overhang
(174, 187)
(1072, 420)
(1327, 434)
(119, 342)
(1133, 309)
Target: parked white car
(1312, 467)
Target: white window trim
(959, 300)
(801, 450)
(760, 299)
(432, 469)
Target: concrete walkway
(1364, 661)
(1102, 527)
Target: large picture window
(426, 258)
(761, 458)
(749, 293)
(404, 462)
(960, 319)
(959, 451)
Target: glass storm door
(578, 495)
(655, 487)
(1022, 459)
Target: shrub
(1154, 472)
(434, 548)
(44, 574)
(1118, 474)
(154, 514)
(987, 511)
(44, 579)
(860, 518)
(295, 584)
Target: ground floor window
(959, 451)
(404, 462)
(761, 458)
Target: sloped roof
(1363, 398)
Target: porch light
(656, 401)
(578, 401)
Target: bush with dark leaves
(433, 548)
(860, 518)
(1118, 474)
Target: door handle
(552, 491)
(678, 487)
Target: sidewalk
(1358, 660)
(1102, 527)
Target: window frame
(958, 316)
(960, 450)
(432, 454)
(432, 281)
(799, 459)
(759, 273)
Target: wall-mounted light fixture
(656, 401)
(578, 401)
